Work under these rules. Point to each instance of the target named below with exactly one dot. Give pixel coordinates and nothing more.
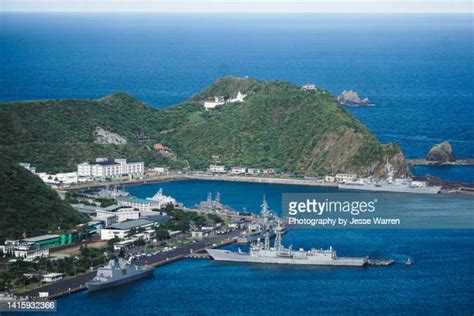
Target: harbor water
(440, 281)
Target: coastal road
(77, 283)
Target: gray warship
(265, 225)
(278, 254)
(118, 272)
(391, 184)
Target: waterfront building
(216, 169)
(125, 229)
(52, 277)
(346, 177)
(105, 168)
(211, 103)
(329, 178)
(161, 170)
(238, 98)
(253, 171)
(238, 170)
(269, 171)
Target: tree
(162, 234)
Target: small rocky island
(351, 98)
(441, 153)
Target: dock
(202, 255)
(71, 285)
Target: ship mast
(265, 214)
(278, 236)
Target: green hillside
(279, 125)
(28, 206)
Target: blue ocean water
(441, 280)
(417, 69)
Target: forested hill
(279, 125)
(28, 206)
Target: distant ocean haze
(416, 69)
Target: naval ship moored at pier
(118, 272)
(259, 253)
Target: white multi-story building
(29, 252)
(216, 169)
(213, 102)
(121, 215)
(105, 168)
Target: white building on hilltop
(238, 98)
(213, 102)
(105, 168)
(309, 86)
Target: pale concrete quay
(424, 162)
(201, 176)
(270, 180)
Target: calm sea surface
(416, 69)
(441, 280)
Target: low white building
(105, 168)
(238, 170)
(238, 98)
(216, 169)
(253, 171)
(329, 178)
(161, 170)
(52, 277)
(346, 177)
(64, 178)
(269, 171)
(211, 103)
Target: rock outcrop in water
(351, 98)
(441, 153)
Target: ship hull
(97, 286)
(229, 256)
(391, 188)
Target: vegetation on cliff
(28, 206)
(279, 125)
